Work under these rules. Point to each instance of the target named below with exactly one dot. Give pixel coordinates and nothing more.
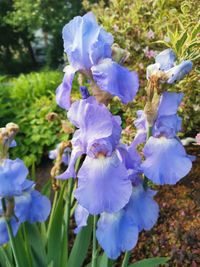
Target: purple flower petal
(81, 217)
(4, 238)
(167, 126)
(166, 161)
(32, 207)
(169, 103)
(142, 208)
(64, 90)
(70, 172)
(103, 184)
(179, 72)
(12, 175)
(166, 59)
(116, 80)
(116, 233)
(94, 120)
(85, 42)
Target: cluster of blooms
(19, 201)
(110, 182)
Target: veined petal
(116, 233)
(116, 80)
(166, 160)
(64, 90)
(103, 184)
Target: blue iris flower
(88, 47)
(165, 65)
(29, 204)
(166, 160)
(103, 177)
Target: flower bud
(118, 54)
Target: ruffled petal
(179, 72)
(64, 90)
(103, 184)
(166, 59)
(94, 120)
(81, 217)
(166, 160)
(116, 80)
(142, 208)
(32, 207)
(12, 175)
(85, 42)
(116, 233)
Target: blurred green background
(32, 59)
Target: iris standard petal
(167, 126)
(179, 72)
(166, 161)
(85, 42)
(142, 208)
(166, 59)
(93, 119)
(12, 175)
(103, 184)
(116, 233)
(116, 80)
(81, 216)
(64, 90)
(169, 103)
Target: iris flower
(88, 48)
(103, 179)
(166, 160)
(167, 68)
(29, 204)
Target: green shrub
(27, 100)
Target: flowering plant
(106, 184)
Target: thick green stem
(149, 132)
(126, 259)
(94, 243)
